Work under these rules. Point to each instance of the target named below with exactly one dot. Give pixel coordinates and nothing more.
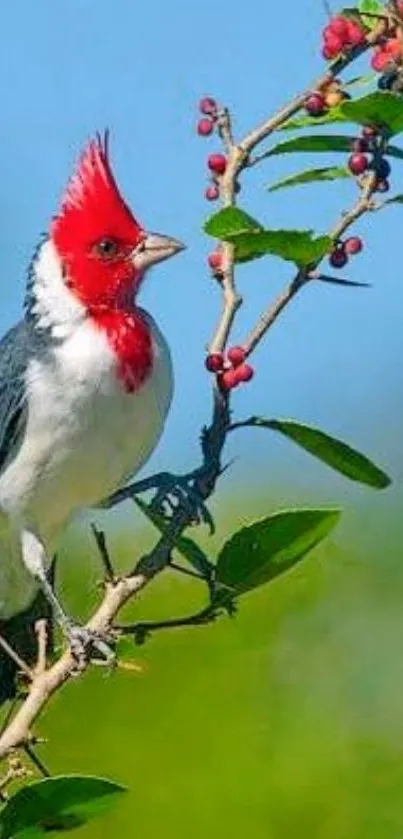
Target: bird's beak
(155, 248)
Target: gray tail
(19, 632)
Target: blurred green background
(284, 722)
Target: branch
(238, 159)
(45, 684)
(266, 321)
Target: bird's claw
(175, 490)
(84, 643)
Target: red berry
(214, 260)
(329, 52)
(353, 245)
(205, 127)
(338, 259)
(228, 379)
(339, 25)
(315, 104)
(244, 373)
(358, 163)
(236, 355)
(333, 46)
(214, 362)
(393, 47)
(207, 105)
(217, 163)
(355, 34)
(380, 60)
(212, 192)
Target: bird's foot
(175, 491)
(87, 645)
(171, 491)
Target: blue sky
(69, 69)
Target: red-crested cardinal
(85, 380)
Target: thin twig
(100, 539)
(38, 763)
(16, 658)
(142, 629)
(41, 629)
(266, 321)
(187, 571)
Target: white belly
(85, 437)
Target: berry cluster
(341, 35)
(343, 250)
(207, 107)
(387, 54)
(329, 96)
(367, 156)
(231, 370)
(217, 163)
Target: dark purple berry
(315, 105)
(358, 163)
(339, 258)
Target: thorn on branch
(100, 539)
(21, 664)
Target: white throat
(53, 305)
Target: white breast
(85, 434)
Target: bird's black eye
(106, 248)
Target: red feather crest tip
(93, 191)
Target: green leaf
(324, 278)
(330, 450)
(361, 80)
(394, 151)
(373, 7)
(297, 246)
(383, 109)
(329, 173)
(261, 552)
(313, 143)
(251, 240)
(396, 199)
(229, 222)
(322, 143)
(57, 803)
(195, 556)
(331, 116)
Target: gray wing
(15, 350)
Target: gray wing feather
(15, 350)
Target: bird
(86, 383)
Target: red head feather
(95, 232)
